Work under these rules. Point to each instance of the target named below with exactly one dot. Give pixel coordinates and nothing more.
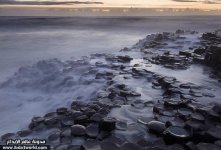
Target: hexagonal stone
(78, 130)
(156, 127)
(109, 146)
(107, 124)
(207, 146)
(91, 145)
(130, 146)
(92, 130)
(177, 133)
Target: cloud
(202, 1)
(185, 0)
(33, 2)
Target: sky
(26, 6)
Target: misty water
(26, 41)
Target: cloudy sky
(26, 7)
(115, 3)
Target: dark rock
(190, 146)
(92, 130)
(76, 114)
(62, 111)
(124, 58)
(156, 127)
(185, 53)
(103, 135)
(67, 122)
(7, 136)
(109, 146)
(207, 146)
(114, 139)
(97, 117)
(61, 147)
(51, 121)
(195, 125)
(214, 134)
(176, 122)
(217, 108)
(66, 140)
(78, 130)
(197, 117)
(121, 125)
(54, 138)
(218, 143)
(107, 124)
(81, 119)
(74, 147)
(91, 145)
(66, 133)
(184, 113)
(158, 107)
(173, 103)
(174, 134)
(200, 51)
(24, 133)
(130, 146)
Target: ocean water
(34, 83)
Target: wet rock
(124, 59)
(173, 103)
(36, 123)
(24, 133)
(7, 136)
(107, 124)
(158, 107)
(76, 114)
(51, 121)
(54, 138)
(76, 105)
(190, 146)
(114, 139)
(174, 134)
(66, 133)
(176, 122)
(130, 146)
(200, 51)
(138, 104)
(163, 119)
(218, 143)
(197, 117)
(156, 127)
(67, 122)
(121, 125)
(217, 108)
(214, 134)
(109, 146)
(91, 145)
(175, 147)
(195, 125)
(61, 147)
(66, 140)
(103, 135)
(74, 147)
(92, 130)
(78, 130)
(83, 119)
(97, 117)
(62, 111)
(184, 113)
(207, 146)
(206, 94)
(186, 53)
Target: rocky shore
(139, 107)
